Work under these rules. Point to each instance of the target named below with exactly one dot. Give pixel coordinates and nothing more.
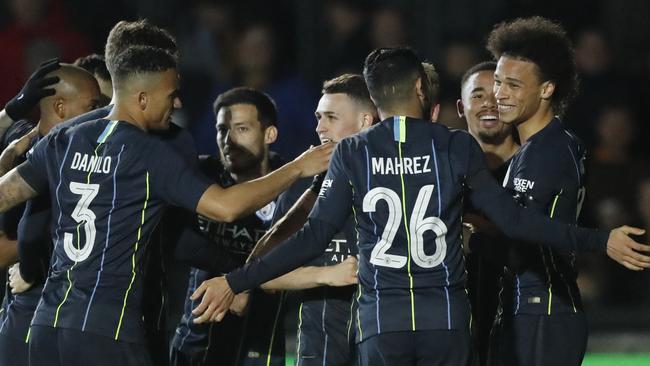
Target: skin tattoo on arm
(14, 190)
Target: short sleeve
(34, 169)
(175, 180)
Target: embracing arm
(342, 274)
(242, 199)
(14, 190)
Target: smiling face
(480, 109)
(518, 89)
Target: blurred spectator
(206, 36)
(206, 39)
(37, 31)
(345, 40)
(613, 169)
(257, 68)
(388, 29)
(599, 83)
(458, 57)
(643, 206)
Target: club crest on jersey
(266, 213)
(523, 185)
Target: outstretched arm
(242, 199)
(329, 215)
(342, 274)
(286, 226)
(523, 224)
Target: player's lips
(504, 108)
(324, 140)
(489, 120)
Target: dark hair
(433, 81)
(95, 64)
(391, 73)
(267, 112)
(141, 59)
(139, 33)
(352, 85)
(544, 43)
(483, 66)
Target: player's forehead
(240, 113)
(479, 81)
(334, 103)
(515, 68)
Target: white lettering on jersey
(405, 165)
(87, 163)
(327, 183)
(523, 185)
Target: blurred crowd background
(288, 47)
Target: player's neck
(413, 110)
(498, 153)
(46, 123)
(535, 123)
(120, 113)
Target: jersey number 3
(418, 225)
(83, 216)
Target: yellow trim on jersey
(359, 317)
(135, 251)
(354, 212)
(299, 332)
(275, 325)
(550, 284)
(408, 239)
(67, 292)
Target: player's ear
(143, 99)
(58, 105)
(460, 108)
(548, 88)
(270, 135)
(435, 112)
(419, 89)
(365, 120)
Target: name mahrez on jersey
(405, 165)
(87, 163)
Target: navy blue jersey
(109, 182)
(17, 310)
(324, 312)
(35, 243)
(260, 332)
(404, 181)
(545, 175)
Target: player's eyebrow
(511, 79)
(477, 89)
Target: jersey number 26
(418, 225)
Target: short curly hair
(138, 33)
(141, 59)
(544, 43)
